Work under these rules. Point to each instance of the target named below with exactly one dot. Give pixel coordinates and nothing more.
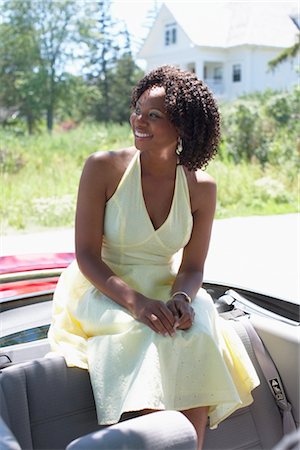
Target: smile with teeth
(141, 135)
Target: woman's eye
(153, 115)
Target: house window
(174, 35)
(170, 34)
(218, 73)
(236, 72)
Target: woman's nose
(140, 117)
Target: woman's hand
(156, 315)
(183, 313)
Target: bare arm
(190, 275)
(93, 193)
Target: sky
(135, 14)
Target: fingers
(172, 307)
(166, 318)
(185, 314)
(159, 325)
(159, 318)
(156, 325)
(185, 322)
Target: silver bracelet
(187, 297)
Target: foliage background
(256, 169)
(53, 117)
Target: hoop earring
(179, 146)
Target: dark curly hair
(191, 108)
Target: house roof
(226, 24)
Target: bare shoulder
(203, 189)
(105, 169)
(113, 160)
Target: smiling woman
(198, 130)
(150, 123)
(123, 297)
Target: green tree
(37, 44)
(57, 27)
(77, 101)
(287, 53)
(124, 76)
(109, 64)
(102, 52)
(20, 75)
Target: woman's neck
(155, 165)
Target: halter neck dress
(132, 367)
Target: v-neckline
(155, 230)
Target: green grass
(40, 175)
(247, 189)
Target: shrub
(263, 127)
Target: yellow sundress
(132, 367)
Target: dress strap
(183, 187)
(124, 177)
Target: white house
(227, 44)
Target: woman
(148, 334)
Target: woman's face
(150, 124)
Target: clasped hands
(165, 318)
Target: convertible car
(46, 405)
